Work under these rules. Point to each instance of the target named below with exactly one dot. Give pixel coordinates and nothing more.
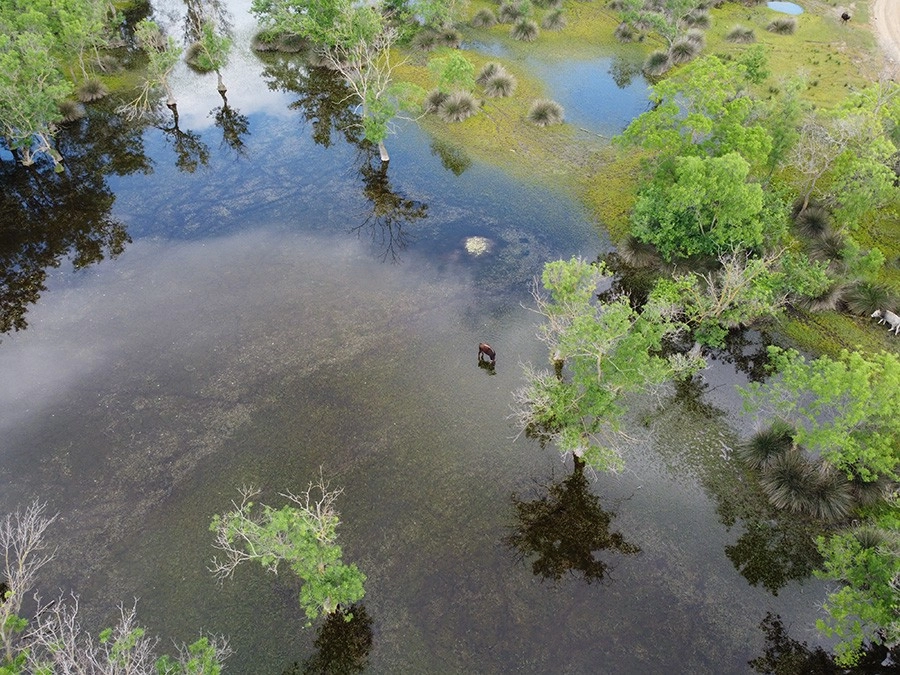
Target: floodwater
(785, 7)
(280, 307)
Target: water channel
(283, 306)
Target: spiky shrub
(870, 536)
(828, 248)
(458, 106)
(765, 446)
(625, 32)
(616, 5)
(696, 36)
(870, 493)
(92, 90)
(782, 26)
(71, 110)
(500, 85)
(488, 70)
(638, 253)
(863, 298)
(657, 63)
(554, 20)
(525, 30)
(831, 497)
(425, 40)
(698, 18)
(433, 100)
(826, 301)
(814, 221)
(448, 37)
(510, 13)
(683, 51)
(741, 35)
(545, 112)
(265, 41)
(789, 481)
(484, 18)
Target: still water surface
(287, 306)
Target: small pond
(785, 7)
(281, 305)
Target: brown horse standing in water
(484, 349)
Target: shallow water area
(287, 305)
(785, 7)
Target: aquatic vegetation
(545, 113)
(458, 106)
(767, 445)
(71, 110)
(789, 481)
(831, 496)
(782, 26)
(741, 35)
(525, 30)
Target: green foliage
(867, 606)
(302, 535)
(453, 71)
(199, 658)
(755, 64)
(215, 46)
(843, 409)
(703, 205)
(322, 21)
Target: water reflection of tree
(233, 124)
(390, 209)
(787, 656)
(342, 645)
(623, 70)
(453, 158)
(46, 216)
(190, 151)
(323, 98)
(775, 547)
(566, 528)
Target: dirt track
(886, 20)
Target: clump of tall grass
(814, 221)
(545, 113)
(458, 106)
(766, 445)
(864, 297)
(782, 26)
(500, 85)
(525, 30)
(741, 35)
(510, 12)
(683, 50)
(638, 253)
(91, 90)
(425, 40)
(554, 20)
(484, 18)
(488, 70)
(71, 110)
(657, 63)
(625, 32)
(788, 481)
(448, 37)
(697, 18)
(433, 100)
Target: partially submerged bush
(638, 253)
(91, 90)
(545, 112)
(554, 20)
(265, 41)
(657, 63)
(788, 481)
(831, 497)
(741, 35)
(782, 26)
(458, 106)
(290, 43)
(683, 51)
(71, 110)
(500, 85)
(194, 57)
(766, 445)
(484, 18)
(525, 30)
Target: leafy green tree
(212, 50)
(667, 18)
(602, 352)
(705, 205)
(866, 607)
(844, 409)
(317, 20)
(303, 535)
(454, 71)
(162, 55)
(84, 28)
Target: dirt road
(886, 19)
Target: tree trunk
(385, 157)
(221, 85)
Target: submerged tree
(566, 530)
(303, 535)
(162, 55)
(342, 644)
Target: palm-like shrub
(448, 37)
(91, 90)
(657, 63)
(683, 50)
(625, 32)
(782, 26)
(525, 30)
(71, 110)
(484, 18)
(870, 493)
(488, 70)
(433, 101)
(545, 112)
(698, 18)
(814, 221)
(425, 40)
(741, 35)
(638, 253)
(554, 20)
(828, 248)
(510, 13)
(696, 36)
(458, 106)
(765, 446)
(789, 481)
(863, 298)
(827, 300)
(500, 85)
(831, 497)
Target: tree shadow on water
(342, 645)
(564, 529)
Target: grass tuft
(545, 113)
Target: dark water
(283, 305)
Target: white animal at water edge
(888, 317)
